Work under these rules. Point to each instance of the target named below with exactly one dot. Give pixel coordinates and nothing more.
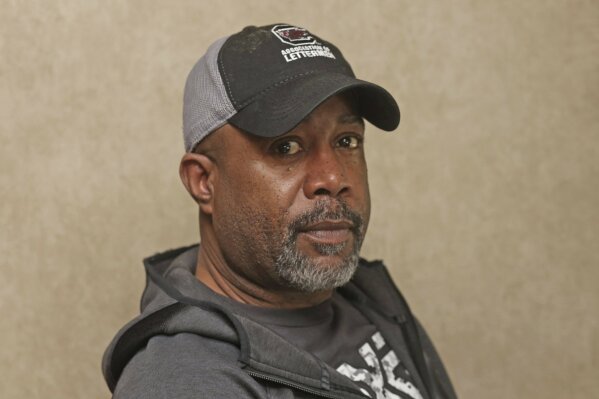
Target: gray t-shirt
(341, 336)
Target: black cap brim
(284, 106)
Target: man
(275, 302)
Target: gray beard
(305, 274)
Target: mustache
(327, 211)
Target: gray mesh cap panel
(206, 106)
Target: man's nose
(326, 175)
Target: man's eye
(289, 147)
(349, 142)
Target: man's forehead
(351, 118)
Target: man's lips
(328, 232)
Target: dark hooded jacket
(184, 344)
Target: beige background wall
(486, 202)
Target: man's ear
(197, 173)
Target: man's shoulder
(184, 364)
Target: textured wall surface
(486, 202)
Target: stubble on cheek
(250, 238)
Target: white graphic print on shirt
(387, 386)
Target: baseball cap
(266, 80)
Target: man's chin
(317, 272)
(330, 261)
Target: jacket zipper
(294, 385)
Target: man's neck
(213, 271)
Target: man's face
(292, 211)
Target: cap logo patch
(293, 35)
(304, 44)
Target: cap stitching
(222, 68)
